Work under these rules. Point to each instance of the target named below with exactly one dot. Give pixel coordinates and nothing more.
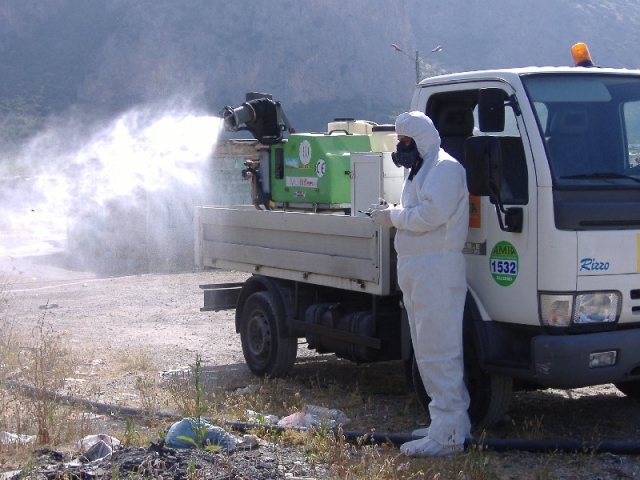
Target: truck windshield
(591, 127)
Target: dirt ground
(120, 322)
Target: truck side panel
(323, 249)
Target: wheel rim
(259, 336)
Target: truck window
(515, 187)
(542, 114)
(631, 118)
(590, 124)
(454, 114)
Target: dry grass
(41, 362)
(44, 361)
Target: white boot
(428, 447)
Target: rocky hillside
(322, 59)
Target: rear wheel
(265, 351)
(630, 389)
(490, 394)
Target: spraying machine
(306, 171)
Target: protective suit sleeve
(439, 195)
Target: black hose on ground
(485, 444)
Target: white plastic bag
(90, 440)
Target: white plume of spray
(121, 193)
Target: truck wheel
(490, 394)
(630, 389)
(265, 352)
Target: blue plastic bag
(180, 432)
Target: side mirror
(491, 109)
(483, 163)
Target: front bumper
(562, 361)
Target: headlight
(562, 310)
(596, 308)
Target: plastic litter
(98, 451)
(327, 414)
(90, 440)
(314, 416)
(85, 416)
(10, 475)
(180, 434)
(248, 442)
(261, 418)
(249, 389)
(299, 420)
(7, 438)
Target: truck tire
(265, 351)
(490, 394)
(630, 389)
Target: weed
(192, 470)
(200, 404)
(8, 345)
(40, 363)
(147, 388)
(45, 366)
(130, 433)
(190, 396)
(532, 428)
(200, 407)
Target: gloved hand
(382, 217)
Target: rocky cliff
(322, 59)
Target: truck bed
(335, 250)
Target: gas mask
(405, 155)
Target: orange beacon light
(581, 55)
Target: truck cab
(553, 251)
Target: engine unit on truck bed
(314, 168)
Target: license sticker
(503, 263)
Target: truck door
(501, 266)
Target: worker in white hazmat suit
(432, 221)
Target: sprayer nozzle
(234, 118)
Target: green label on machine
(504, 263)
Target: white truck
(552, 156)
